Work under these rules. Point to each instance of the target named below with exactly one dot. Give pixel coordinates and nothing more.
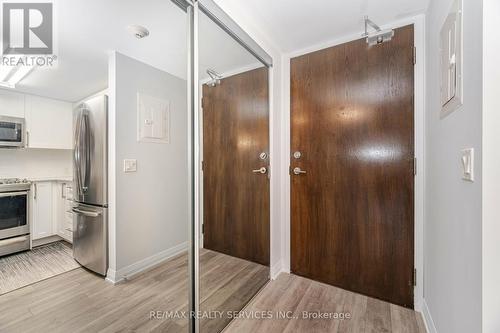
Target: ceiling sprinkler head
(138, 31)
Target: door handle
(85, 212)
(298, 171)
(262, 170)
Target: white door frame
(419, 139)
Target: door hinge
(414, 55)
(202, 166)
(414, 277)
(414, 166)
(202, 100)
(203, 228)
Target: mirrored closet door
(230, 109)
(234, 211)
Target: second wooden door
(235, 166)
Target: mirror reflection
(94, 173)
(234, 145)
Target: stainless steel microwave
(12, 132)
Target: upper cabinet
(11, 104)
(49, 123)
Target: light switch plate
(467, 161)
(129, 165)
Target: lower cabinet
(43, 210)
(65, 219)
(51, 210)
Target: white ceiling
(88, 30)
(296, 24)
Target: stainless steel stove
(14, 184)
(14, 220)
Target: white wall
(151, 206)
(35, 163)
(452, 242)
(491, 167)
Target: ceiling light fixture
(11, 76)
(138, 31)
(5, 72)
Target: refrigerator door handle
(86, 212)
(78, 153)
(87, 144)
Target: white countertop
(50, 179)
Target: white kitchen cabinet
(49, 123)
(65, 215)
(42, 210)
(51, 210)
(12, 104)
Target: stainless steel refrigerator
(90, 184)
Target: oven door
(14, 214)
(12, 132)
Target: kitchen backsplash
(35, 163)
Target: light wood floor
(79, 301)
(298, 295)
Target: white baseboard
(275, 270)
(429, 323)
(111, 276)
(417, 305)
(117, 276)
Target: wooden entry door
(235, 195)
(352, 211)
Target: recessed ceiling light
(138, 31)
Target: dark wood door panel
(235, 133)
(352, 212)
